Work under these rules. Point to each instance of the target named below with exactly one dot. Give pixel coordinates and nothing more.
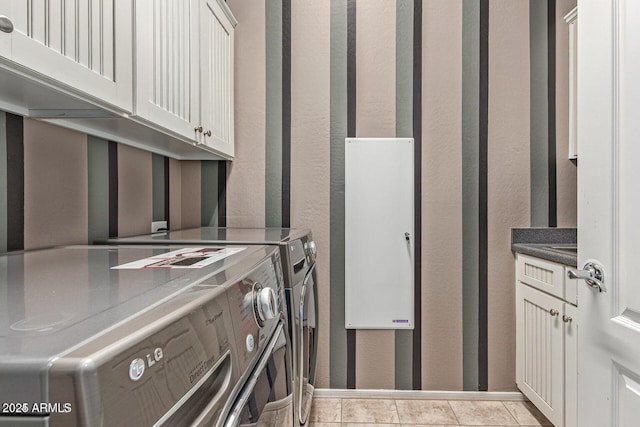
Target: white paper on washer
(182, 258)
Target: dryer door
(306, 330)
(265, 399)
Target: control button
(266, 304)
(136, 369)
(310, 247)
(250, 343)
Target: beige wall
(191, 194)
(134, 191)
(508, 180)
(246, 174)
(55, 185)
(442, 195)
(309, 151)
(566, 169)
(175, 194)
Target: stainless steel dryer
(298, 251)
(132, 336)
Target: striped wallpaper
(481, 86)
(59, 186)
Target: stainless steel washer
(298, 252)
(84, 343)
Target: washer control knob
(250, 342)
(310, 247)
(265, 303)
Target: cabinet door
(570, 365)
(539, 351)
(216, 78)
(167, 65)
(82, 46)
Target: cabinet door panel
(571, 366)
(539, 351)
(84, 45)
(216, 56)
(167, 70)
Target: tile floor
(336, 412)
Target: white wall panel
(379, 210)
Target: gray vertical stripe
(273, 160)
(417, 174)
(483, 159)
(221, 203)
(338, 132)
(551, 112)
(351, 131)
(209, 193)
(4, 285)
(286, 113)
(98, 197)
(404, 128)
(3, 181)
(539, 114)
(158, 182)
(470, 191)
(15, 182)
(404, 69)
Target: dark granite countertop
(551, 244)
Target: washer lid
(56, 300)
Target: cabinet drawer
(544, 275)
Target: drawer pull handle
(554, 312)
(566, 319)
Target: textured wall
(455, 74)
(59, 187)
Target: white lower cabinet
(546, 347)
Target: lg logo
(137, 366)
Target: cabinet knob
(207, 133)
(554, 312)
(566, 319)
(198, 129)
(6, 26)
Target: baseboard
(418, 394)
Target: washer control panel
(256, 304)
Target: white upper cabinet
(184, 75)
(216, 75)
(166, 67)
(154, 74)
(83, 47)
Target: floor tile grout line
(453, 412)
(395, 403)
(511, 414)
